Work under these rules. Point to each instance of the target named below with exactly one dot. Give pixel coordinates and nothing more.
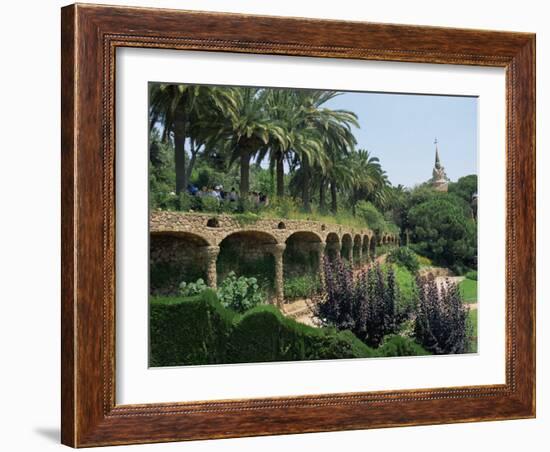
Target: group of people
(217, 192)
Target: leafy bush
(472, 274)
(193, 330)
(209, 204)
(190, 289)
(301, 286)
(365, 305)
(283, 207)
(165, 277)
(240, 294)
(441, 316)
(187, 202)
(371, 215)
(424, 261)
(406, 257)
(400, 346)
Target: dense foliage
(303, 150)
(199, 330)
(443, 233)
(365, 305)
(240, 293)
(406, 257)
(303, 286)
(441, 317)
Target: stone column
(278, 251)
(211, 271)
(350, 255)
(321, 254)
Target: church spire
(439, 180)
(437, 162)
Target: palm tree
(249, 129)
(175, 108)
(333, 129)
(369, 180)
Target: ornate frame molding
(90, 37)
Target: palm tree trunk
(280, 176)
(306, 189)
(322, 196)
(353, 201)
(179, 154)
(194, 152)
(245, 174)
(333, 200)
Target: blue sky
(400, 130)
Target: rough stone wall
(173, 260)
(196, 223)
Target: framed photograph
(281, 225)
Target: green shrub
(265, 335)
(472, 274)
(240, 294)
(283, 207)
(209, 204)
(247, 218)
(165, 277)
(400, 346)
(193, 288)
(188, 331)
(424, 261)
(406, 257)
(186, 201)
(301, 286)
(371, 215)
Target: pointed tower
(439, 181)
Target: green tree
(249, 129)
(443, 233)
(177, 109)
(465, 187)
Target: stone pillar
(321, 255)
(211, 271)
(350, 255)
(278, 251)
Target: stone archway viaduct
(208, 231)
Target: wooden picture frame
(90, 36)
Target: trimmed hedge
(192, 330)
(199, 330)
(263, 334)
(400, 346)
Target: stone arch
(175, 257)
(365, 248)
(281, 225)
(248, 253)
(347, 248)
(372, 248)
(357, 250)
(303, 254)
(332, 245)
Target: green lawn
(472, 325)
(468, 290)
